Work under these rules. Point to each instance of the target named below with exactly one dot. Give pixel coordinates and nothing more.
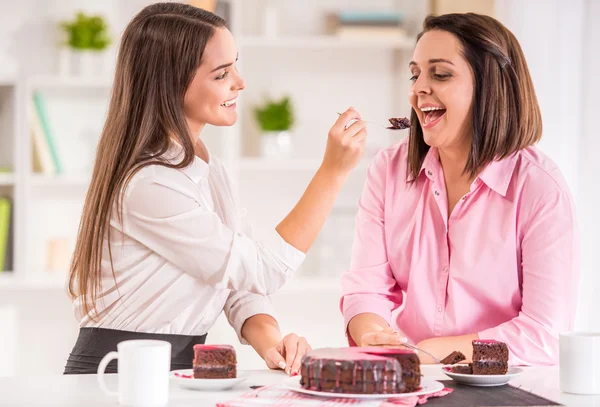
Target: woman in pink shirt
(465, 229)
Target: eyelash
(222, 76)
(439, 77)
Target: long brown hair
(506, 114)
(160, 51)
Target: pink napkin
(276, 395)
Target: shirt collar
(496, 175)
(196, 171)
(431, 163)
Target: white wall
(561, 45)
(588, 316)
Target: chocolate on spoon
(399, 123)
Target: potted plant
(275, 119)
(87, 39)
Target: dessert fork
(408, 345)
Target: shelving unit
(7, 179)
(10, 165)
(324, 42)
(323, 74)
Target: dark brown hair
(506, 115)
(160, 51)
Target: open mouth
(432, 115)
(229, 103)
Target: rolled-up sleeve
(168, 219)
(550, 264)
(241, 305)
(369, 285)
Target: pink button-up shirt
(504, 265)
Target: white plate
(428, 386)
(205, 384)
(484, 380)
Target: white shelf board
(7, 179)
(326, 42)
(279, 164)
(7, 80)
(54, 181)
(69, 82)
(11, 281)
(284, 164)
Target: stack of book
(366, 24)
(45, 155)
(5, 235)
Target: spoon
(397, 123)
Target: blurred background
(303, 61)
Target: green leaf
(275, 115)
(87, 32)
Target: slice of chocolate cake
(490, 357)
(454, 357)
(214, 362)
(399, 123)
(462, 369)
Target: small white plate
(484, 380)
(188, 381)
(428, 386)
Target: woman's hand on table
(387, 337)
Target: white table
(83, 390)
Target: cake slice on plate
(214, 362)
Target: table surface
(83, 390)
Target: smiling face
(211, 96)
(442, 90)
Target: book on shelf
(45, 154)
(5, 231)
(365, 24)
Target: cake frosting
(363, 370)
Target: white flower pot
(87, 63)
(276, 144)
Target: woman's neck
(453, 161)
(200, 149)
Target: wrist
(332, 175)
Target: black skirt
(94, 343)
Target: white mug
(143, 366)
(579, 358)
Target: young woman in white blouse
(160, 251)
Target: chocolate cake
(462, 369)
(399, 123)
(489, 357)
(453, 358)
(365, 370)
(214, 362)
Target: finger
(300, 352)
(355, 128)
(344, 118)
(291, 345)
(360, 137)
(275, 358)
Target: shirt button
(429, 173)
(445, 269)
(440, 309)
(436, 193)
